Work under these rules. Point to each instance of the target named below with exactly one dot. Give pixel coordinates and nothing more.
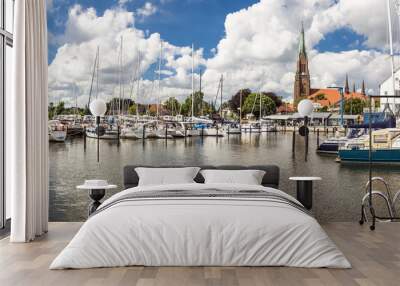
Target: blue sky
(183, 22)
(180, 22)
(258, 50)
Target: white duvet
(200, 232)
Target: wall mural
(124, 89)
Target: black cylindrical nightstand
(305, 190)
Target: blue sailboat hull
(381, 155)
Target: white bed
(201, 231)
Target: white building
(386, 88)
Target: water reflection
(336, 198)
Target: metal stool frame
(389, 201)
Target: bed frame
(271, 177)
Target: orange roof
(285, 108)
(331, 97)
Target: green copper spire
(302, 44)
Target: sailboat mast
(192, 82)
(260, 106)
(391, 45)
(159, 79)
(93, 75)
(240, 110)
(201, 75)
(76, 102)
(120, 77)
(222, 85)
(97, 72)
(138, 85)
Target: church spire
(354, 87)
(363, 88)
(302, 43)
(302, 82)
(346, 87)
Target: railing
(386, 195)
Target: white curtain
(26, 121)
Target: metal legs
(96, 196)
(387, 197)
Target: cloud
(147, 10)
(259, 50)
(72, 65)
(260, 46)
(123, 2)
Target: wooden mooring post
(294, 142)
(118, 135)
(84, 138)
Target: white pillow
(166, 176)
(247, 177)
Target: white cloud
(147, 10)
(258, 51)
(85, 31)
(123, 2)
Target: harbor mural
(159, 113)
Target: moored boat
(57, 131)
(108, 133)
(331, 145)
(232, 128)
(385, 147)
(254, 127)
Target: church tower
(346, 86)
(302, 79)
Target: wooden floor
(375, 257)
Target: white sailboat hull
(109, 135)
(232, 131)
(213, 132)
(57, 136)
(160, 133)
(130, 134)
(192, 132)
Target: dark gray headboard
(271, 178)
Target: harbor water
(336, 198)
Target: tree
(355, 106)
(198, 106)
(234, 102)
(60, 108)
(320, 96)
(324, 109)
(51, 110)
(274, 97)
(132, 109)
(252, 105)
(172, 105)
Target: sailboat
(57, 131)
(106, 130)
(161, 130)
(136, 128)
(75, 127)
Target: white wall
(386, 88)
